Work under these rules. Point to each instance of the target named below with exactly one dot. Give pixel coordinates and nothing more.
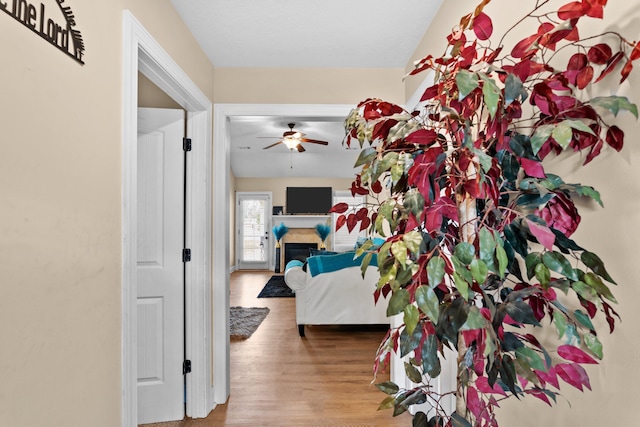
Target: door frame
(267, 219)
(141, 53)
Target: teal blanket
(319, 264)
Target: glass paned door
(253, 225)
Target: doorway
(141, 53)
(253, 227)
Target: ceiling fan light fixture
(291, 142)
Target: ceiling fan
(293, 140)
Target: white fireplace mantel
(301, 221)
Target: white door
(253, 218)
(160, 276)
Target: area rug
(276, 288)
(243, 321)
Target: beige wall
(610, 232)
(60, 216)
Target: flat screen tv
(309, 200)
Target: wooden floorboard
(280, 379)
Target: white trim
(222, 169)
(142, 53)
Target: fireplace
(299, 251)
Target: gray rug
(243, 321)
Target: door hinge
(186, 367)
(186, 144)
(186, 255)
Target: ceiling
(302, 34)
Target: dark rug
(244, 321)
(276, 288)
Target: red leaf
(340, 222)
(584, 77)
(594, 8)
(376, 187)
(635, 53)
(626, 70)
(339, 208)
(422, 136)
(482, 26)
(574, 375)
(594, 152)
(381, 129)
(473, 402)
(524, 48)
(574, 354)
(577, 61)
(482, 383)
(430, 93)
(362, 214)
(570, 11)
(365, 223)
(549, 377)
(615, 137)
(600, 53)
(540, 395)
(611, 64)
(545, 236)
(351, 222)
(532, 168)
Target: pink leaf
(482, 26)
(482, 383)
(543, 234)
(473, 402)
(574, 354)
(574, 375)
(549, 377)
(540, 395)
(532, 168)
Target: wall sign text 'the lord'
(42, 21)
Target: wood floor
(280, 379)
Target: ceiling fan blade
(300, 148)
(314, 141)
(272, 145)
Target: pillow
(325, 264)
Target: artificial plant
(478, 255)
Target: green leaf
(596, 283)
(561, 323)
(578, 125)
(413, 240)
(540, 136)
(562, 134)
(435, 271)
(542, 274)
(427, 301)
(572, 337)
(467, 82)
(459, 421)
(387, 403)
(491, 94)
(365, 156)
(594, 345)
(615, 103)
(411, 317)
(585, 291)
(584, 320)
(388, 387)
(487, 248)
(521, 312)
(594, 262)
(465, 252)
(398, 301)
(531, 262)
(475, 320)
(412, 373)
(532, 358)
(461, 285)
(513, 89)
(503, 260)
(409, 342)
(414, 202)
(479, 270)
(399, 251)
(558, 263)
(430, 359)
(587, 191)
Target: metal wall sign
(55, 25)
